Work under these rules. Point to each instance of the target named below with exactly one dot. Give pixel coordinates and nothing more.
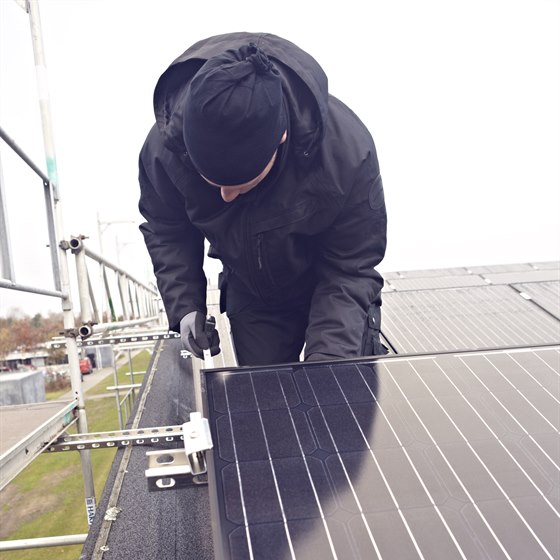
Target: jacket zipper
(259, 251)
(250, 260)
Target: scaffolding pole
(69, 323)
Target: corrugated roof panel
(464, 318)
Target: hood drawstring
(260, 60)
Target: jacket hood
(304, 83)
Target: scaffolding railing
(136, 304)
(14, 460)
(8, 275)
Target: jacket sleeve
(347, 298)
(175, 246)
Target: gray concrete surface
(22, 388)
(18, 421)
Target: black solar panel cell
(440, 457)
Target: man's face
(230, 193)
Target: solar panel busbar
(437, 457)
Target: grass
(47, 498)
(53, 395)
(140, 362)
(58, 387)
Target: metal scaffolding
(136, 304)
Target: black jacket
(316, 224)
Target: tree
(6, 340)
(27, 333)
(25, 337)
(37, 321)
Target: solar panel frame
(427, 273)
(447, 456)
(437, 282)
(546, 264)
(544, 294)
(545, 275)
(497, 268)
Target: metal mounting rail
(167, 468)
(13, 461)
(124, 438)
(120, 339)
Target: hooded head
(234, 116)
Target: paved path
(90, 381)
(19, 421)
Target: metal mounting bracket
(177, 468)
(124, 438)
(167, 468)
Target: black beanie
(234, 116)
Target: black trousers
(275, 334)
(269, 336)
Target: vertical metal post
(101, 267)
(136, 296)
(129, 285)
(43, 90)
(123, 293)
(7, 268)
(48, 190)
(117, 396)
(69, 323)
(130, 366)
(113, 316)
(76, 244)
(93, 300)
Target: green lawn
(47, 498)
(53, 395)
(140, 363)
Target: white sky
(461, 97)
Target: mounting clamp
(177, 468)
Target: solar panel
(436, 457)
(545, 294)
(546, 275)
(547, 264)
(463, 319)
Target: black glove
(198, 334)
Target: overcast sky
(461, 97)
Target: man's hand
(198, 335)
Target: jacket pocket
(281, 245)
(299, 212)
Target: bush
(57, 383)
